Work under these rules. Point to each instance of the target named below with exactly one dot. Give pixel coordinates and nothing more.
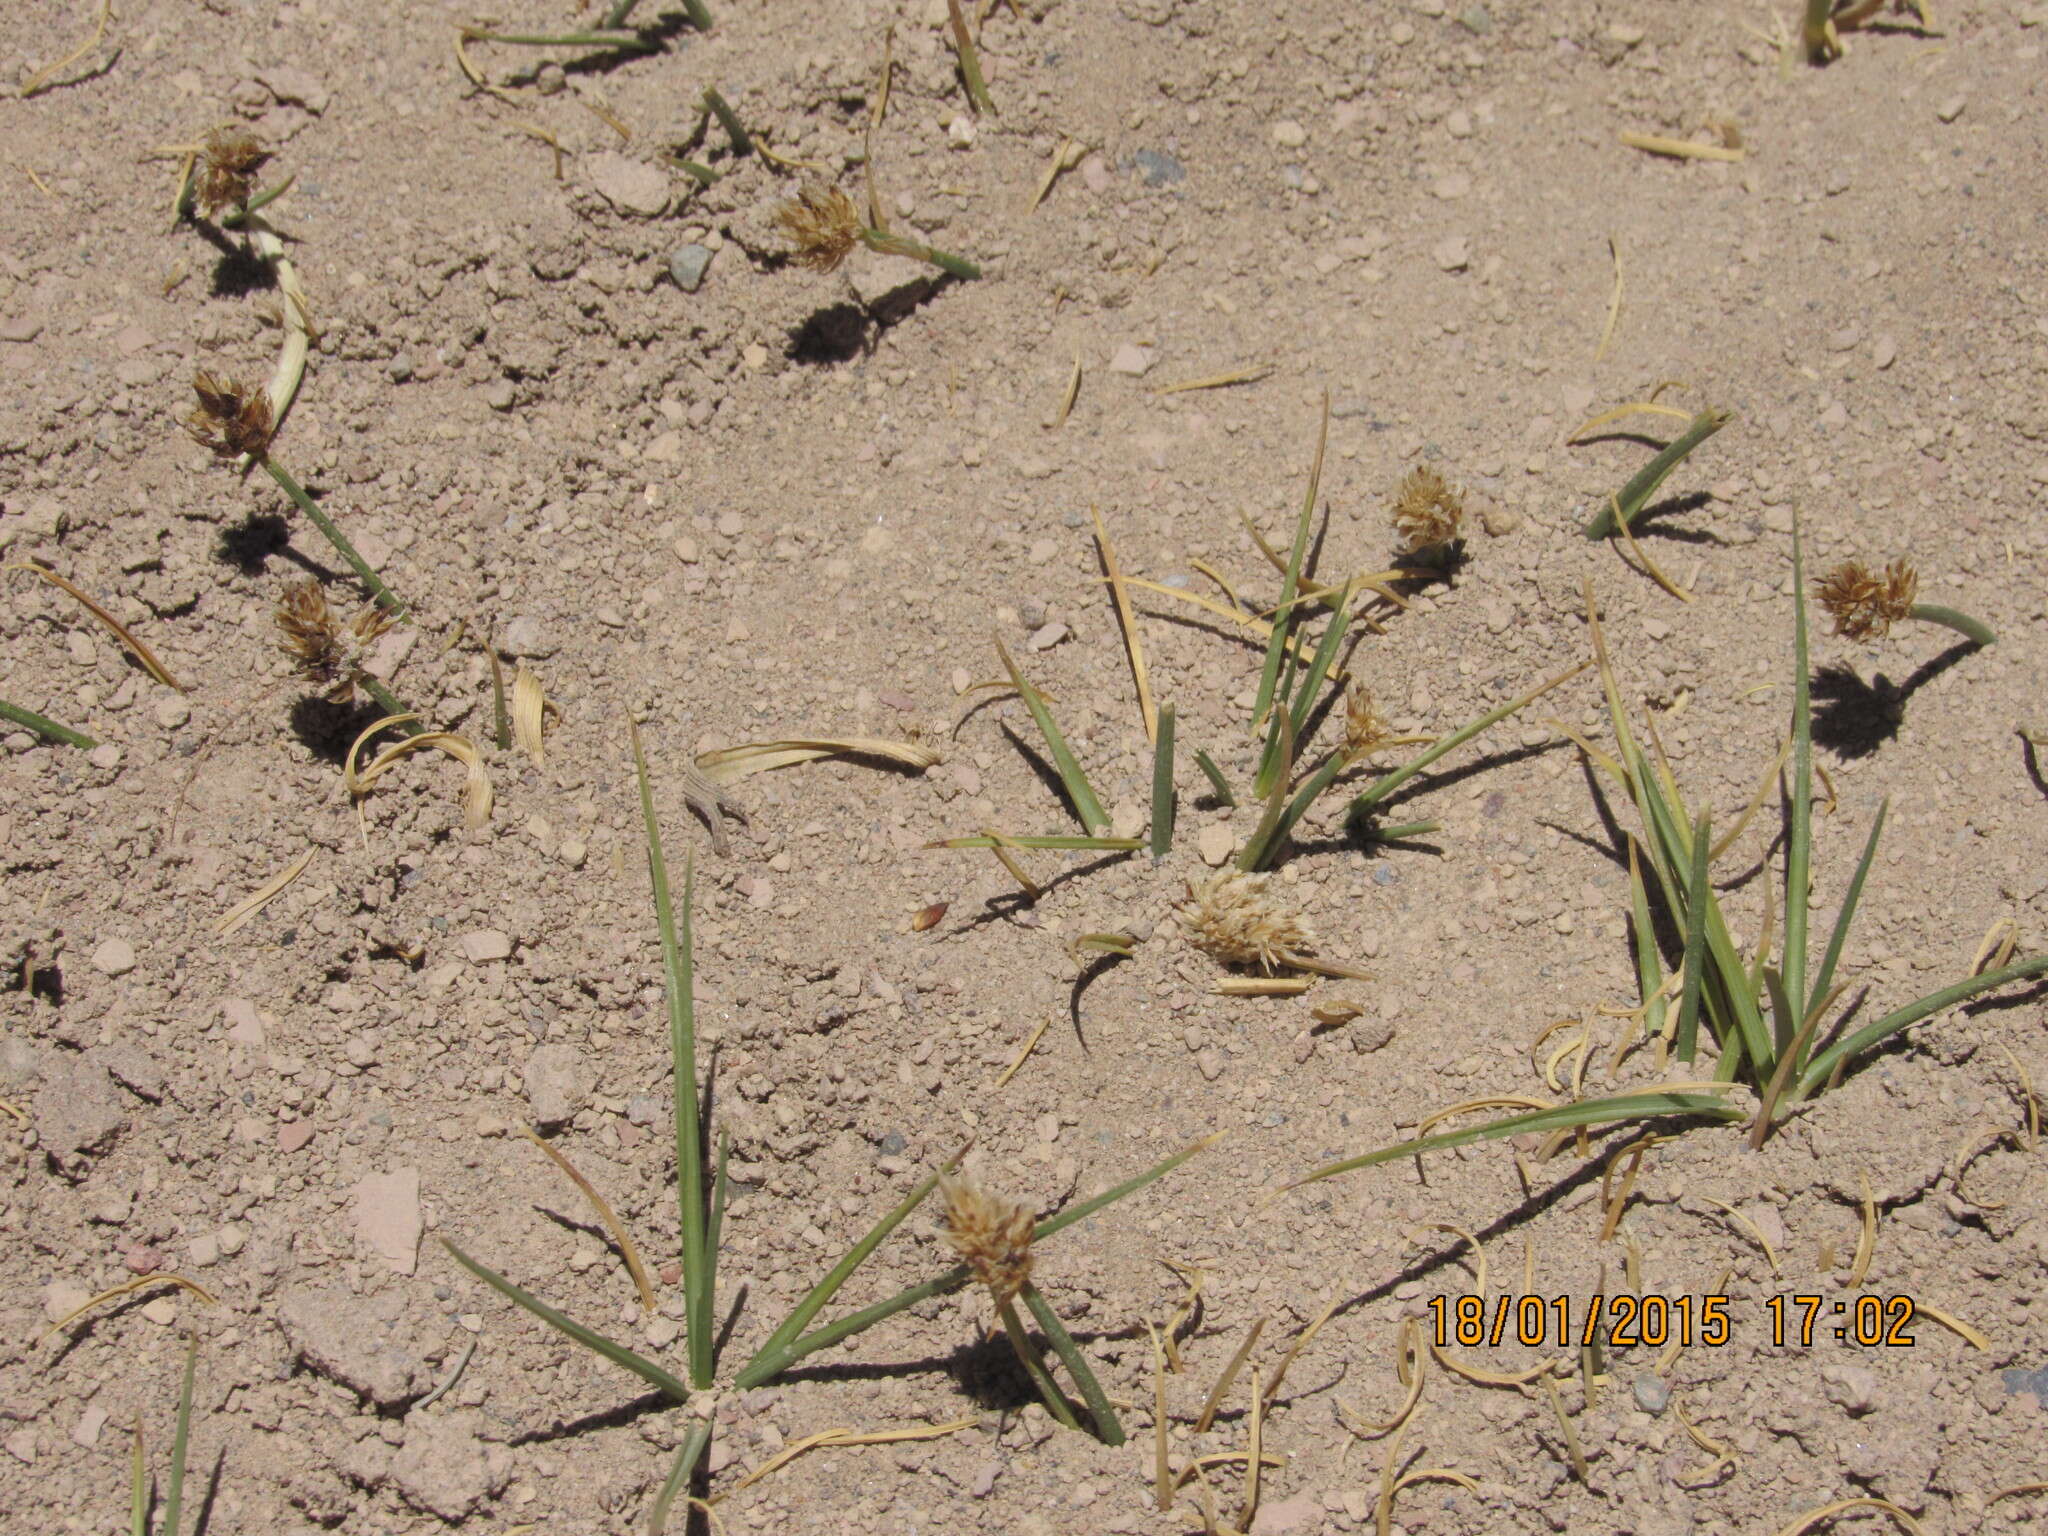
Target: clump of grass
(990, 1236)
(1428, 514)
(234, 421)
(1866, 604)
(1764, 1021)
(1234, 918)
(824, 226)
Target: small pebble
(114, 957)
(1951, 109)
(1214, 842)
(1653, 1393)
(1132, 361)
(1289, 134)
(687, 265)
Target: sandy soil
(786, 503)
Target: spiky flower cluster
(991, 1235)
(1865, 606)
(1232, 918)
(1428, 511)
(1365, 728)
(226, 173)
(232, 419)
(824, 226)
(326, 653)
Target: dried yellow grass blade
(1197, 1466)
(1254, 1454)
(1756, 800)
(1994, 951)
(140, 1282)
(41, 79)
(1162, 1474)
(1633, 408)
(1487, 1378)
(1068, 396)
(1228, 1375)
(1571, 1436)
(1262, 986)
(1866, 1237)
(2033, 1103)
(1679, 149)
(529, 708)
(1478, 1253)
(1613, 304)
(120, 631)
(1148, 712)
(1024, 1055)
(1953, 1324)
(1248, 375)
(1005, 852)
(2017, 1490)
(1300, 1343)
(1390, 1485)
(1627, 535)
(1813, 1517)
(729, 765)
(20, 1115)
(1064, 158)
(1409, 1366)
(477, 797)
(605, 1214)
(262, 896)
(1749, 1229)
(837, 1437)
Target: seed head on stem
(1232, 918)
(330, 655)
(824, 226)
(226, 174)
(1427, 511)
(232, 419)
(1365, 728)
(1865, 606)
(991, 1235)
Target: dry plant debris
(328, 654)
(1866, 606)
(1428, 511)
(232, 419)
(225, 177)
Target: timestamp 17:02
(1623, 1322)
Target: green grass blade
(688, 1454)
(1643, 485)
(678, 975)
(729, 120)
(1799, 832)
(1162, 786)
(1823, 1066)
(1383, 787)
(1785, 1026)
(1283, 622)
(1627, 1106)
(1107, 1429)
(1649, 964)
(174, 1495)
(1825, 976)
(618, 1354)
(1057, 840)
(42, 725)
(138, 1488)
(1319, 665)
(1215, 777)
(822, 1293)
(1266, 839)
(1089, 1207)
(1079, 791)
(1275, 828)
(1695, 941)
(720, 1189)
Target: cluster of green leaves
(1762, 1020)
(701, 1196)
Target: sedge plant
(1762, 1023)
(139, 1483)
(995, 1244)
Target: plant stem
(1817, 32)
(335, 536)
(687, 1457)
(1948, 618)
(62, 734)
(616, 16)
(174, 1497)
(1162, 786)
(389, 702)
(1643, 485)
(887, 244)
(729, 120)
(970, 60)
(1055, 1400)
(1400, 830)
(696, 10)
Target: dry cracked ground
(584, 412)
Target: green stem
(698, 12)
(62, 734)
(703, 175)
(1401, 830)
(390, 703)
(629, 42)
(1162, 786)
(1214, 774)
(887, 244)
(1055, 1400)
(1948, 618)
(687, 1456)
(970, 60)
(729, 120)
(616, 16)
(234, 218)
(1637, 493)
(335, 536)
(174, 1496)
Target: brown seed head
(1427, 510)
(824, 226)
(226, 175)
(232, 419)
(991, 1235)
(327, 653)
(1864, 606)
(1230, 917)
(1365, 728)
